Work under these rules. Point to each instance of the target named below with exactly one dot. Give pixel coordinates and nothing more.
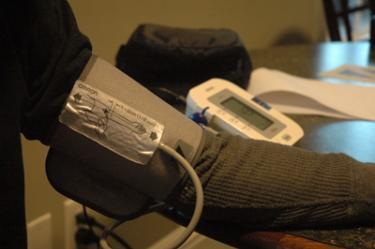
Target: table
(353, 137)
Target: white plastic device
(234, 110)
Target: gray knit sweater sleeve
(267, 185)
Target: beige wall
(109, 24)
(40, 197)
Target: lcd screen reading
(247, 113)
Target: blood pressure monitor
(230, 108)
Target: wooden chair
(341, 9)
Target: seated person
(255, 183)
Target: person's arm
(267, 185)
(56, 54)
(256, 183)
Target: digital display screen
(247, 113)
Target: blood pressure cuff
(104, 153)
(180, 58)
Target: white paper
(292, 94)
(352, 73)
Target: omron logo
(91, 91)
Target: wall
(40, 197)
(259, 22)
(109, 24)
